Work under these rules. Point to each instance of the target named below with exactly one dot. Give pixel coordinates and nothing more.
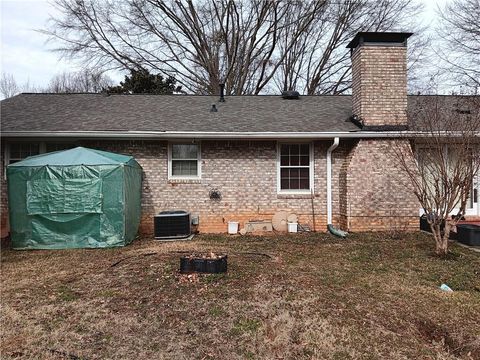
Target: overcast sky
(25, 53)
(27, 56)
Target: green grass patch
(214, 278)
(216, 311)
(66, 294)
(244, 325)
(107, 293)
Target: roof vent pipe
(213, 108)
(222, 90)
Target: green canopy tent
(77, 198)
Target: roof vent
(213, 108)
(291, 95)
(222, 93)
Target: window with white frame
(184, 161)
(21, 150)
(17, 151)
(295, 167)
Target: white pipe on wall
(332, 147)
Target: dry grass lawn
(372, 296)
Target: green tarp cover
(75, 198)
(64, 196)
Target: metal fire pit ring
(189, 264)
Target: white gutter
(332, 147)
(202, 134)
(118, 134)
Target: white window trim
(199, 162)
(42, 149)
(6, 152)
(311, 170)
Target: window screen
(20, 151)
(184, 160)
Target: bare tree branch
(253, 46)
(78, 82)
(460, 31)
(444, 161)
(9, 86)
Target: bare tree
(460, 31)
(81, 81)
(443, 160)
(8, 86)
(319, 64)
(66, 82)
(253, 46)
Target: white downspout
(330, 227)
(332, 147)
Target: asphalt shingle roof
(186, 113)
(97, 112)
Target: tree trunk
(441, 241)
(443, 251)
(442, 247)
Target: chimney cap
(380, 39)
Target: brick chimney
(379, 78)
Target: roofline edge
(154, 135)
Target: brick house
(262, 153)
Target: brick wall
(367, 193)
(245, 172)
(379, 84)
(374, 191)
